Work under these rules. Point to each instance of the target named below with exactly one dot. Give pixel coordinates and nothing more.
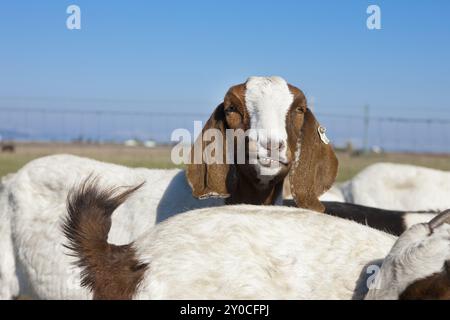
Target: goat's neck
(248, 191)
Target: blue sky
(193, 51)
(183, 55)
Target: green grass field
(160, 157)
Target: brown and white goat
(281, 124)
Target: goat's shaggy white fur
(399, 187)
(32, 204)
(35, 202)
(9, 285)
(257, 252)
(253, 252)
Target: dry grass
(160, 157)
(129, 156)
(351, 165)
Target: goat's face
(279, 130)
(264, 108)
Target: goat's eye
(299, 109)
(231, 109)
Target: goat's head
(418, 265)
(435, 284)
(282, 137)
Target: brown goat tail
(110, 271)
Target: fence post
(366, 128)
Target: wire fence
(378, 133)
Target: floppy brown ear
(209, 180)
(315, 166)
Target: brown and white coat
(255, 252)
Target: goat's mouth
(271, 162)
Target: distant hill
(7, 134)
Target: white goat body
(260, 252)
(399, 187)
(257, 252)
(9, 285)
(35, 202)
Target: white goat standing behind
(399, 187)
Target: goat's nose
(272, 144)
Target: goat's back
(257, 252)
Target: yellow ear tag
(322, 134)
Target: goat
(399, 187)
(35, 204)
(283, 135)
(253, 252)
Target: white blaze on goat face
(268, 100)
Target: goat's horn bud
(440, 219)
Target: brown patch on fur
(236, 114)
(247, 190)
(215, 180)
(295, 91)
(209, 179)
(315, 170)
(434, 287)
(109, 271)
